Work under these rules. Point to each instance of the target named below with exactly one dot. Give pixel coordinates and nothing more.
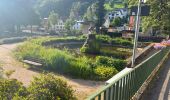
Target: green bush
(114, 34)
(53, 58)
(10, 89)
(115, 54)
(43, 87)
(50, 87)
(82, 68)
(121, 41)
(104, 38)
(110, 62)
(104, 73)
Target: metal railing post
(136, 33)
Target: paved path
(160, 89)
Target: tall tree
(53, 19)
(100, 14)
(91, 14)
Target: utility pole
(137, 26)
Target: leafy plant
(121, 41)
(110, 62)
(104, 73)
(83, 67)
(9, 89)
(9, 73)
(104, 38)
(50, 87)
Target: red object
(131, 21)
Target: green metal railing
(127, 83)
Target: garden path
(82, 87)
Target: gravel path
(160, 89)
(82, 88)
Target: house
(77, 25)
(60, 25)
(121, 13)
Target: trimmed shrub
(104, 73)
(50, 87)
(114, 34)
(120, 41)
(110, 62)
(10, 89)
(83, 67)
(115, 54)
(104, 38)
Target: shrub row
(114, 41)
(89, 69)
(123, 42)
(110, 62)
(43, 87)
(50, 40)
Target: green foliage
(53, 18)
(43, 87)
(83, 67)
(104, 73)
(93, 45)
(116, 22)
(104, 38)
(121, 41)
(68, 24)
(114, 41)
(110, 62)
(10, 89)
(9, 73)
(108, 7)
(50, 87)
(114, 4)
(100, 14)
(90, 15)
(54, 58)
(159, 15)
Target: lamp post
(137, 26)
